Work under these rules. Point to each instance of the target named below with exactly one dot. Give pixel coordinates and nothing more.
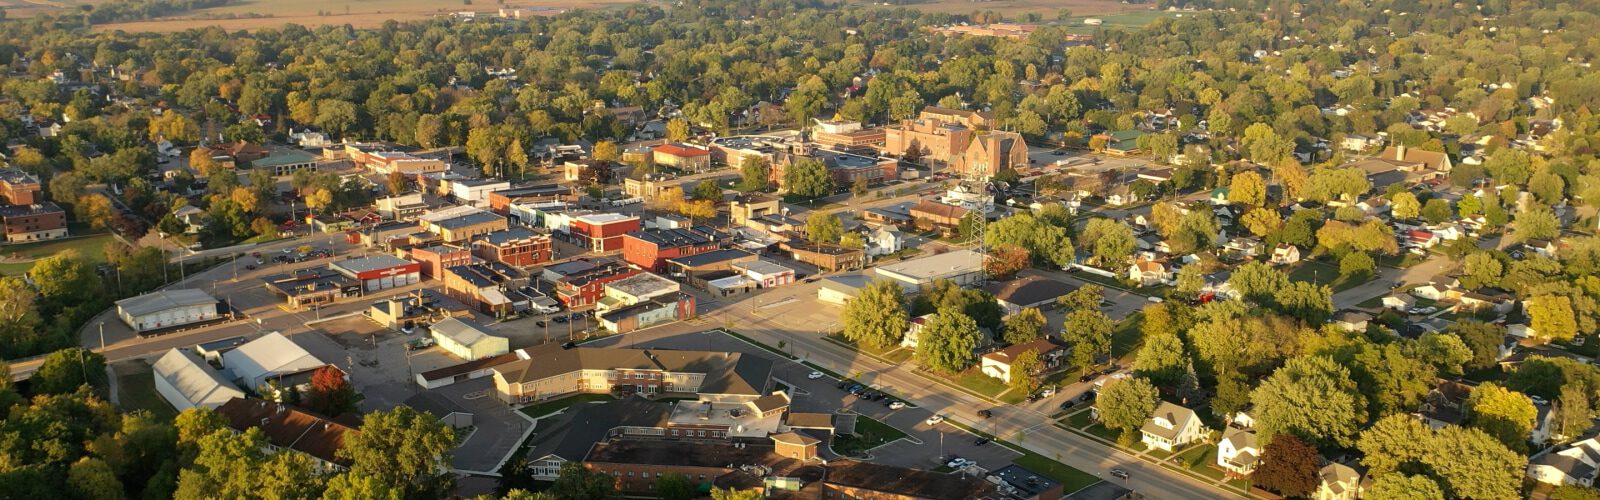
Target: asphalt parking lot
(924, 445)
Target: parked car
(419, 344)
(985, 413)
(980, 441)
(1119, 473)
(559, 319)
(957, 463)
(1086, 378)
(1047, 393)
(895, 405)
(814, 375)
(569, 345)
(1423, 310)
(251, 267)
(843, 384)
(539, 323)
(934, 420)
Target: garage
(380, 272)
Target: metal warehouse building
(380, 272)
(167, 309)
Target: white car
(934, 420)
(814, 375)
(897, 405)
(1424, 310)
(958, 463)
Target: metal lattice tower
(980, 181)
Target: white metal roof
(195, 380)
(466, 333)
(155, 302)
(272, 354)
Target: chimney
(1400, 153)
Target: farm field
(1048, 8)
(358, 13)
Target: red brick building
(435, 259)
(651, 248)
(37, 222)
(500, 201)
(515, 246)
(584, 288)
(603, 232)
(18, 187)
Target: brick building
(436, 258)
(584, 288)
(651, 248)
(513, 247)
(683, 157)
(602, 232)
(36, 222)
(18, 187)
(459, 224)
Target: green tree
(1247, 188)
(947, 341)
(754, 173)
(1085, 297)
(1113, 240)
(824, 227)
(1437, 211)
(877, 317)
(1572, 412)
(237, 465)
(1288, 466)
(1573, 492)
(1395, 444)
(65, 370)
(1403, 487)
(1507, 415)
(707, 190)
(1023, 372)
(1480, 270)
(576, 482)
(674, 487)
(92, 478)
(1161, 359)
(1356, 265)
(1027, 324)
(732, 494)
(1190, 280)
(1548, 187)
(1312, 398)
(1404, 205)
(1258, 282)
(1089, 333)
(1472, 464)
(677, 130)
(1125, 404)
(1537, 223)
(352, 487)
(1551, 317)
(808, 178)
(403, 448)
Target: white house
(167, 309)
(1574, 463)
(468, 340)
(1244, 246)
(1171, 427)
(1399, 302)
(883, 241)
(186, 381)
(997, 364)
(1148, 272)
(1285, 254)
(1352, 321)
(909, 340)
(1238, 452)
(1521, 331)
(1432, 291)
(1338, 482)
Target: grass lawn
(769, 348)
(91, 246)
(548, 407)
(136, 390)
(974, 380)
(261, 238)
(895, 354)
(869, 434)
(1196, 459)
(1080, 419)
(1322, 274)
(1109, 282)
(1125, 336)
(1158, 453)
(1071, 479)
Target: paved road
(794, 318)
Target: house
(1542, 248)
(997, 364)
(1238, 453)
(187, 381)
(682, 157)
(1574, 463)
(1219, 196)
(1499, 302)
(1435, 291)
(914, 331)
(468, 340)
(1521, 331)
(1416, 159)
(271, 358)
(883, 240)
(1031, 291)
(1171, 427)
(1285, 254)
(963, 267)
(1338, 481)
(1399, 302)
(1353, 321)
(1147, 272)
(1421, 238)
(1121, 143)
(765, 273)
(551, 371)
(635, 289)
(289, 428)
(1243, 246)
(1358, 142)
(166, 309)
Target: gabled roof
(463, 332)
(571, 437)
(1030, 290)
(288, 427)
(155, 302)
(935, 209)
(272, 354)
(195, 380)
(1042, 346)
(1176, 415)
(725, 372)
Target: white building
(883, 241)
(1238, 452)
(961, 267)
(475, 192)
(186, 381)
(167, 309)
(271, 357)
(468, 340)
(1171, 427)
(1575, 463)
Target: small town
(1158, 251)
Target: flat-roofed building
(635, 289)
(683, 157)
(436, 258)
(603, 232)
(379, 272)
(475, 192)
(584, 288)
(461, 223)
(514, 246)
(35, 222)
(962, 267)
(651, 248)
(715, 376)
(468, 339)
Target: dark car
(1066, 405)
(251, 267)
(1087, 396)
(843, 384)
(1086, 378)
(878, 396)
(575, 316)
(559, 319)
(985, 413)
(569, 345)
(980, 441)
(539, 323)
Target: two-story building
(514, 246)
(602, 232)
(715, 376)
(651, 248)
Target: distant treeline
(137, 10)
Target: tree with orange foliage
(331, 394)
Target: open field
(358, 13)
(1048, 8)
(92, 247)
